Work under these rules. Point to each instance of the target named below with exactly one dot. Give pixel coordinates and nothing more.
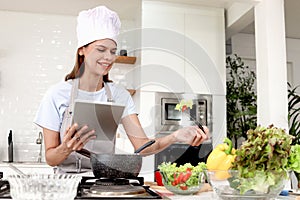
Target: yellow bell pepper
(221, 158)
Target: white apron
(75, 162)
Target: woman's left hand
(75, 138)
(191, 135)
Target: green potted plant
(242, 107)
(241, 99)
(294, 117)
(294, 113)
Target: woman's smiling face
(99, 56)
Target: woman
(97, 30)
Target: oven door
(170, 116)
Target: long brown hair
(78, 69)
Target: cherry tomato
(183, 187)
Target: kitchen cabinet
(204, 49)
(186, 41)
(162, 43)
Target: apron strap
(75, 91)
(108, 93)
(73, 94)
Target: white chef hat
(96, 24)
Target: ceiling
(72, 7)
(130, 9)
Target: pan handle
(144, 146)
(84, 152)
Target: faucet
(39, 141)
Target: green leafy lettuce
(263, 159)
(190, 174)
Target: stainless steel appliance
(119, 188)
(167, 120)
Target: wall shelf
(125, 59)
(131, 91)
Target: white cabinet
(183, 48)
(204, 51)
(162, 48)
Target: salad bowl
(184, 179)
(261, 185)
(183, 183)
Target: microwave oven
(167, 119)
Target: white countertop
(204, 193)
(213, 196)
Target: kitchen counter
(204, 193)
(26, 167)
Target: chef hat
(96, 24)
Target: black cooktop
(4, 189)
(87, 183)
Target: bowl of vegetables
(258, 169)
(184, 179)
(233, 184)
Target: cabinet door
(162, 64)
(205, 50)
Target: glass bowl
(43, 186)
(183, 183)
(228, 184)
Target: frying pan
(116, 165)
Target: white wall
(244, 46)
(36, 51)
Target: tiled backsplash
(36, 51)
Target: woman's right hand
(191, 135)
(75, 138)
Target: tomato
(187, 175)
(180, 177)
(158, 178)
(183, 187)
(183, 108)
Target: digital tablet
(103, 117)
